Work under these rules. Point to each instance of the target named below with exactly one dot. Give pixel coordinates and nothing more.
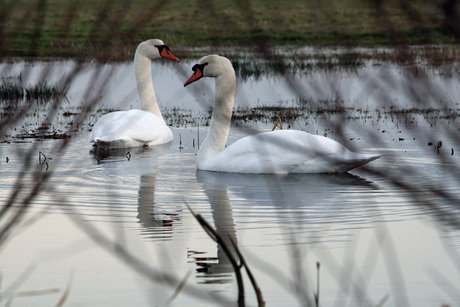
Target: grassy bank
(111, 29)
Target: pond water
(116, 230)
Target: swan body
(275, 152)
(134, 128)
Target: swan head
(210, 66)
(155, 49)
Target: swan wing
(286, 151)
(131, 128)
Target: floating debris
(438, 146)
(40, 155)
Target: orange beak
(168, 55)
(196, 76)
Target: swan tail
(335, 163)
(358, 160)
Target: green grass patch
(111, 30)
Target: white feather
(133, 128)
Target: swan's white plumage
(282, 152)
(278, 152)
(133, 128)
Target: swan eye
(199, 66)
(162, 47)
(197, 73)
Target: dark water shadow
(122, 154)
(292, 190)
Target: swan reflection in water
(156, 224)
(286, 191)
(159, 224)
(157, 221)
(273, 202)
(122, 154)
(212, 270)
(282, 191)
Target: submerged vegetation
(294, 61)
(21, 105)
(310, 111)
(12, 89)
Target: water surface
(373, 237)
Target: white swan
(133, 128)
(280, 152)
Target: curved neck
(221, 116)
(143, 73)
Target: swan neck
(143, 73)
(221, 116)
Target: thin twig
(259, 295)
(180, 142)
(276, 123)
(317, 284)
(217, 238)
(31, 293)
(383, 300)
(65, 295)
(179, 288)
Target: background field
(110, 30)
